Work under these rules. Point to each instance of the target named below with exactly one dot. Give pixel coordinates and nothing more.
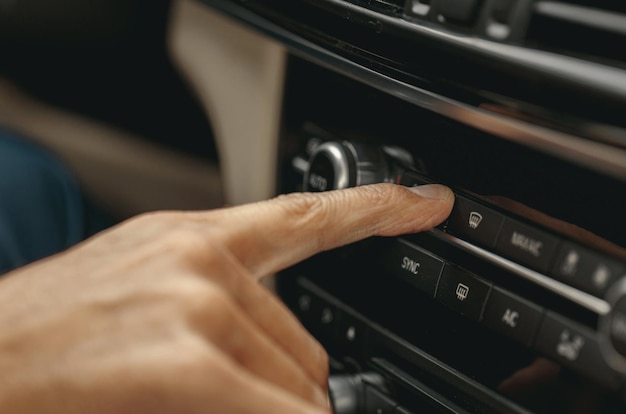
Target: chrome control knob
(334, 165)
(348, 392)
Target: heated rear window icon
(462, 291)
(474, 219)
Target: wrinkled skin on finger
(164, 313)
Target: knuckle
(300, 204)
(215, 313)
(188, 355)
(184, 241)
(306, 209)
(384, 193)
(218, 301)
(189, 362)
(167, 232)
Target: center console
(517, 302)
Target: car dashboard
(517, 302)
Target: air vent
(397, 3)
(590, 29)
(618, 6)
(392, 7)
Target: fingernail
(432, 191)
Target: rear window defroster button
(462, 291)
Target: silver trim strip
(600, 157)
(586, 16)
(594, 304)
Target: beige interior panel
(238, 76)
(125, 173)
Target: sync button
(412, 264)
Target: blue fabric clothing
(42, 210)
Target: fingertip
(433, 192)
(441, 194)
(431, 208)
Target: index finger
(271, 235)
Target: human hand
(163, 313)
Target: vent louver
(397, 3)
(618, 6)
(390, 7)
(590, 29)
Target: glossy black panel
(475, 338)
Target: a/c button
(512, 316)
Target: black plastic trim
(607, 159)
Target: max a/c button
(527, 245)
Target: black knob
(613, 327)
(348, 392)
(334, 165)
